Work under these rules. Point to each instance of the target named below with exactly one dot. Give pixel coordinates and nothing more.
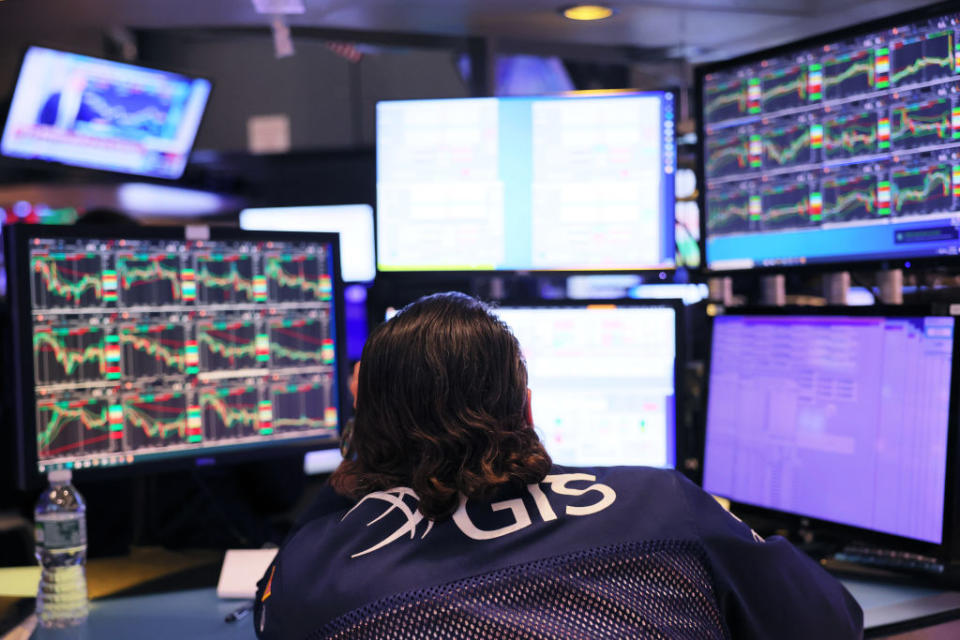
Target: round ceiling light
(587, 12)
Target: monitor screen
(836, 151)
(148, 347)
(839, 418)
(101, 114)
(354, 223)
(574, 182)
(603, 380)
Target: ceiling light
(587, 12)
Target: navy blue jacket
(348, 556)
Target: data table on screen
(843, 419)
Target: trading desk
(890, 611)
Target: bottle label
(58, 534)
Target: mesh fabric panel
(642, 590)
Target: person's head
(442, 408)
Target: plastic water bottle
(61, 549)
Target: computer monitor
(100, 114)
(837, 149)
(556, 183)
(134, 347)
(604, 379)
(843, 416)
(354, 223)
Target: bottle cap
(60, 476)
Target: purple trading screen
(839, 418)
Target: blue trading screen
(574, 182)
(842, 152)
(102, 114)
(844, 419)
(151, 349)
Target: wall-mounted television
(101, 114)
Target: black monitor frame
(17, 239)
(647, 303)
(827, 264)
(663, 274)
(949, 549)
(48, 164)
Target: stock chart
(837, 138)
(144, 349)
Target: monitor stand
(774, 290)
(835, 287)
(891, 286)
(720, 290)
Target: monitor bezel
(949, 547)
(440, 273)
(17, 239)
(44, 163)
(826, 264)
(679, 454)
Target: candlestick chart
(149, 279)
(850, 135)
(303, 405)
(297, 342)
(784, 88)
(153, 350)
(226, 279)
(229, 412)
(232, 344)
(155, 420)
(69, 354)
(725, 100)
(788, 145)
(921, 190)
(728, 154)
(786, 205)
(70, 428)
(728, 210)
(851, 198)
(921, 124)
(298, 278)
(922, 59)
(150, 349)
(67, 280)
(848, 74)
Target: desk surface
(196, 613)
(199, 613)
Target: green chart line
(230, 416)
(231, 280)
(156, 271)
(782, 155)
(55, 282)
(911, 126)
(154, 427)
(62, 415)
(175, 358)
(865, 67)
(69, 358)
(918, 194)
(849, 201)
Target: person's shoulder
(640, 479)
(327, 503)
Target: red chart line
(74, 445)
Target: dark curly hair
(442, 408)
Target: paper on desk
(241, 570)
(19, 582)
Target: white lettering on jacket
(558, 484)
